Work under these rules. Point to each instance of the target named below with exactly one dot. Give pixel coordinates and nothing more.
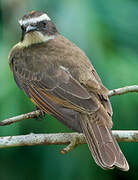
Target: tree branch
(30, 115)
(72, 139)
(123, 90)
(35, 114)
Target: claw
(42, 114)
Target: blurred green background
(108, 32)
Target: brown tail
(103, 146)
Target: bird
(60, 80)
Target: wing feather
(67, 116)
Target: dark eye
(43, 23)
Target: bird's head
(37, 27)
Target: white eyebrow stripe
(34, 20)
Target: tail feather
(102, 144)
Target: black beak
(27, 29)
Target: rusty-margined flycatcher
(59, 78)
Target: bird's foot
(41, 115)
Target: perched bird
(59, 78)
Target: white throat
(34, 38)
